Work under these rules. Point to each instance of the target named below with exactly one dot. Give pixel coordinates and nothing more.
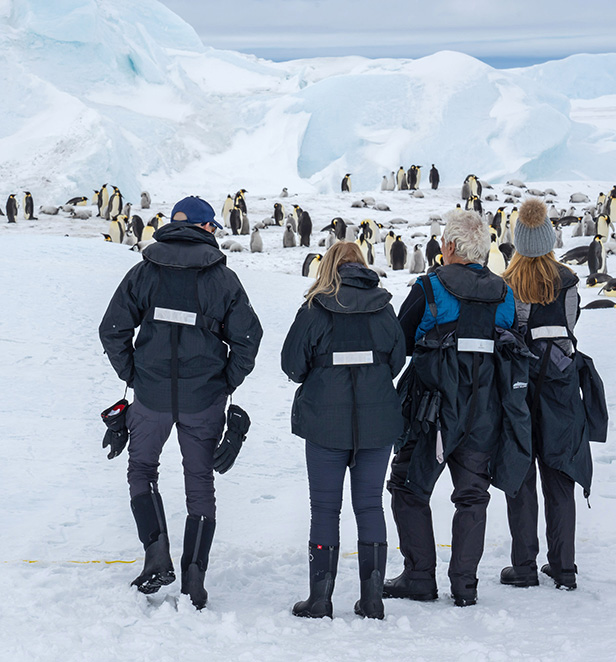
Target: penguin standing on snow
(366, 248)
(603, 226)
(115, 204)
(288, 237)
(235, 220)
(239, 200)
(417, 262)
(146, 200)
(226, 211)
(11, 208)
(596, 256)
(496, 260)
(256, 241)
(278, 213)
(116, 230)
(398, 254)
(401, 180)
(434, 177)
(304, 228)
(346, 183)
(390, 237)
(29, 207)
(433, 248)
(103, 202)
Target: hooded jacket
(346, 406)
(218, 331)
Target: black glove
(114, 418)
(229, 447)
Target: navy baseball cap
(196, 210)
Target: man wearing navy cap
(198, 339)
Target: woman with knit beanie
(547, 305)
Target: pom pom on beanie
(534, 235)
(533, 212)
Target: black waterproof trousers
(523, 513)
(326, 471)
(413, 517)
(198, 436)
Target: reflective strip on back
(548, 332)
(175, 316)
(476, 345)
(352, 358)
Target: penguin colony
(580, 217)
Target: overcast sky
(501, 32)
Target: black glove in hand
(114, 418)
(117, 441)
(229, 447)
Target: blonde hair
(328, 279)
(534, 279)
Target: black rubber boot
(519, 575)
(150, 519)
(372, 561)
(323, 567)
(198, 536)
(464, 595)
(412, 585)
(564, 579)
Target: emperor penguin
(609, 289)
(384, 184)
(288, 237)
(256, 241)
(292, 221)
(597, 280)
(559, 237)
(435, 229)
(434, 177)
(245, 229)
(391, 181)
(226, 211)
(156, 221)
(330, 240)
(235, 220)
(147, 234)
(284, 193)
(390, 237)
(346, 183)
(79, 200)
(11, 208)
(401, 180)
(126, 210)
(506, 237)
(116, 230)
(366, 248)
(29, 207)
(398, 254)
(465, 194)
(103, 201)
(414, 177)
(304, 228)
(433, 248)
(114, 208)
(340, 228)
(578, 228)
(596, 256)
(278, 213)
(590, 227)
(134, 228)
(513, 219)
(600, 202)
(310, 268)
(95, 197)
(297, 210)
(417, 263)
(146, 200)
(240, 201)
(496, 260)
(603, 226)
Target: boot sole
(155, 583)
(524, 583)
(417, 597)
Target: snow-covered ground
(68, 542)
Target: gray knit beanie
(534, 235)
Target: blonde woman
(344, 348)
(547, 306)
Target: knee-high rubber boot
(372, 561)
(150, 518)
(323, 568)
(198, 536)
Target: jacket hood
(184, 245)
(359, 292)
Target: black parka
(343, 406)
(186, 267)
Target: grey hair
(470, 234)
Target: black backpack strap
(427, 285)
